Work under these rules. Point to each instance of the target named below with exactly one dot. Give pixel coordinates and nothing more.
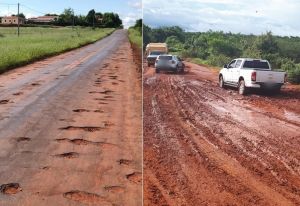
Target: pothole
(68, 155)
(113, 77)
(35, 84)
(125, 162)
(102, 92)
(105, 65)
(4, 101)
(18, 93)
(10, 188)
(23, 139)
(81, 110)
(99, 111)
(114, 189)
(78, 141)
(108, 91)
(135, 177)
(84, 197)
(87, 129)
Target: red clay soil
(204, 145)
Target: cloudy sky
(282, 17)
(129, 10)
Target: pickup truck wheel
(149, 64)
(277, 89)
(221, 82)
(242, 87)
(178, 70)
(157, 70)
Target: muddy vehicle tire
(157, 71)
(221, 82)
(242, 88)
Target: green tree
(90, 18)
(21, 15)
(66, 18)
(174, 44)
(111, 20)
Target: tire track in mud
(242, 163)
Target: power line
(7, 4)
(33, 9)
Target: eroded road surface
(204, 145)
(70, 129)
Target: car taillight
(285, 77)
(253, 76)
(173, 62)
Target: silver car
(169, 63)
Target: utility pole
(18, 19)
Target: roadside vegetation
(135, 33)
(135, 38)
(37, 42)
(218, 48)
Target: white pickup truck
(245, 73)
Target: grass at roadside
(135, 37)
(36, 42)
(203, 63)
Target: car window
(232, 64)
(256, 64)
(165, 57)
(156, 53)
(238, 63)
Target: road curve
(204, 145)
(70, 128)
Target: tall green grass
(37, 42)
(135, 37)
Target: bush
(294, 75)
(218, 60)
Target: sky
(282, 17)
(128, 10)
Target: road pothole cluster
(10, 188)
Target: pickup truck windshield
(156, 53)
(165, 57)
(256, 65)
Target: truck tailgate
(271, 77)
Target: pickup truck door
(235, 72)
(228, 75)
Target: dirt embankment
(204, 145)
(71, 129)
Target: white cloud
(135, 4)
(256, 16)
(130, 18)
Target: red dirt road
(204, 145)
(70, 129)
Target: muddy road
(204, 145)
(70, 128)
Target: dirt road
(204, 145)
(70, 129)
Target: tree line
(217, 48)
(92, 19)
